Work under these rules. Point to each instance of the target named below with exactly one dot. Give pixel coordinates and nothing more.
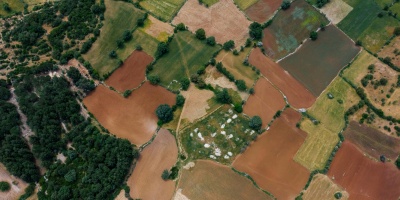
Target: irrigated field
(317, 63)
(372, 141)
(290, 27)
(297, 95)
(384, 96)
(157, 29)
(210, 180)
(186, 55)
(131, 73)
(146, 181)
(362, 177)
(323, 137)
(265, 101)
(132, 118)
(269, 160)
(263, 10)
(165, 9)
(222, 20)
(16, 190)
(119, 17)
(322, 187)
(336, 10)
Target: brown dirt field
(131, 73)
(146, 181)
(362, 177)
(16, 190)
(269, 160)
(211, 180)
(388, 51)
(132, 118)
(263, 10)
(196, 104)
(222, 20)
(296, 93)
(158, 29)
(265, 101)
(372, 141)
(322, 187)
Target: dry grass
(322, 187)
(336, 10)
(157, 29)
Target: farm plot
(157, 29)
(372, 141)
(132, 118)
(265, 101)
(323, 137)
(131, 73)
(15, 6)
(244, 4)
(336, 10)
(220, 136)
(296, 94)
(364, 178)
(290, 27)
(17, 185)
(209, 3)
(210, 180)
(160, 155)
(139, 38)
(263, 10)
(269, 160)
(234, 64)
(119, 17)
(322, 187)
(222, 20)
(379, 82)
(165, 10)
(392, 51)
(317, 63)
(186, 55)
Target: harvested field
(222, 20)
(336, 10)
(132, 118)
(263, 10)
(265, 101)
(323, 137)
(157, 29)
(297, 95)
(165, 9)
(196, 104)
(290, 27)
(372, 141)
(334, 49)
(269, 160)
(210, 180)
(17, 185)
(390, 50)
(385, 97)
(131, 73)
(119, 17)
(234, 64)
(362, 177)
(322, 187)
(186, 55)
(161, 154)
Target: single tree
(223, 96)
(285, 5)
(154, 80)
(164, 113)
(241, 85)
(255, 30)
(313, 35)
(6, 7)
(180, 100)
(255, 123)
(181, 27)
(127, 35)
(112, 54)
(4, 186)
(201, 34)
(185, 83)
(228, 45)
(162, 49)
(165, 175)
(211, 41)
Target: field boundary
(253, 181)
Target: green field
(148, 43)
(383, 3)
(235, 136)
(165, 9)
(396, 9)
(244, 4)
(359, 67)
(119, 16)
(186, 55)
(290, 27)
(210, 2)
(322, 138)
(15, 5)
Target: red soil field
(146, 181)
(296, 93)
(263, 10)
(269, 160)
(265, 101)
(362, 177)
(132, 118)
(131, 73)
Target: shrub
(285, 5)
(255, 123)
(338, 195)
(154, 80)
(255, 31)
(241, 85)
(238, 108)
(127, 93)
(200, 34)
(165, 175)
(112, 54)
(4, 186)
(162, 49)
(398, 162)
(396, 31)
(228, 45)
(185, 83)
(181, 27)
(164, 113)
(223, 96)
(180, 100)
(211, 41)
(251, 91)
(127, 36)
(313, 35)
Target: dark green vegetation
(256, 123)
(14, 151)
(81, 82)
(164, 113)
(4, 186)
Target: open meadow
(165, 10)
(15, 6)
(269, 160)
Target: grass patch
(148, 43)
(396, 9)
(356, 70)
(165, 10)
(186, 55)
(236, 135)
(323, 137)
(15, 6)
(119, 17)
(244, 4)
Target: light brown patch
(322, 187)
(158, 29)
(16, 190)
(196, 104)
(336, 10)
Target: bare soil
(17, 185)
(196, 104)
(263, 10)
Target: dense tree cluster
(223, 96)
(80, 81)
(256, 30)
